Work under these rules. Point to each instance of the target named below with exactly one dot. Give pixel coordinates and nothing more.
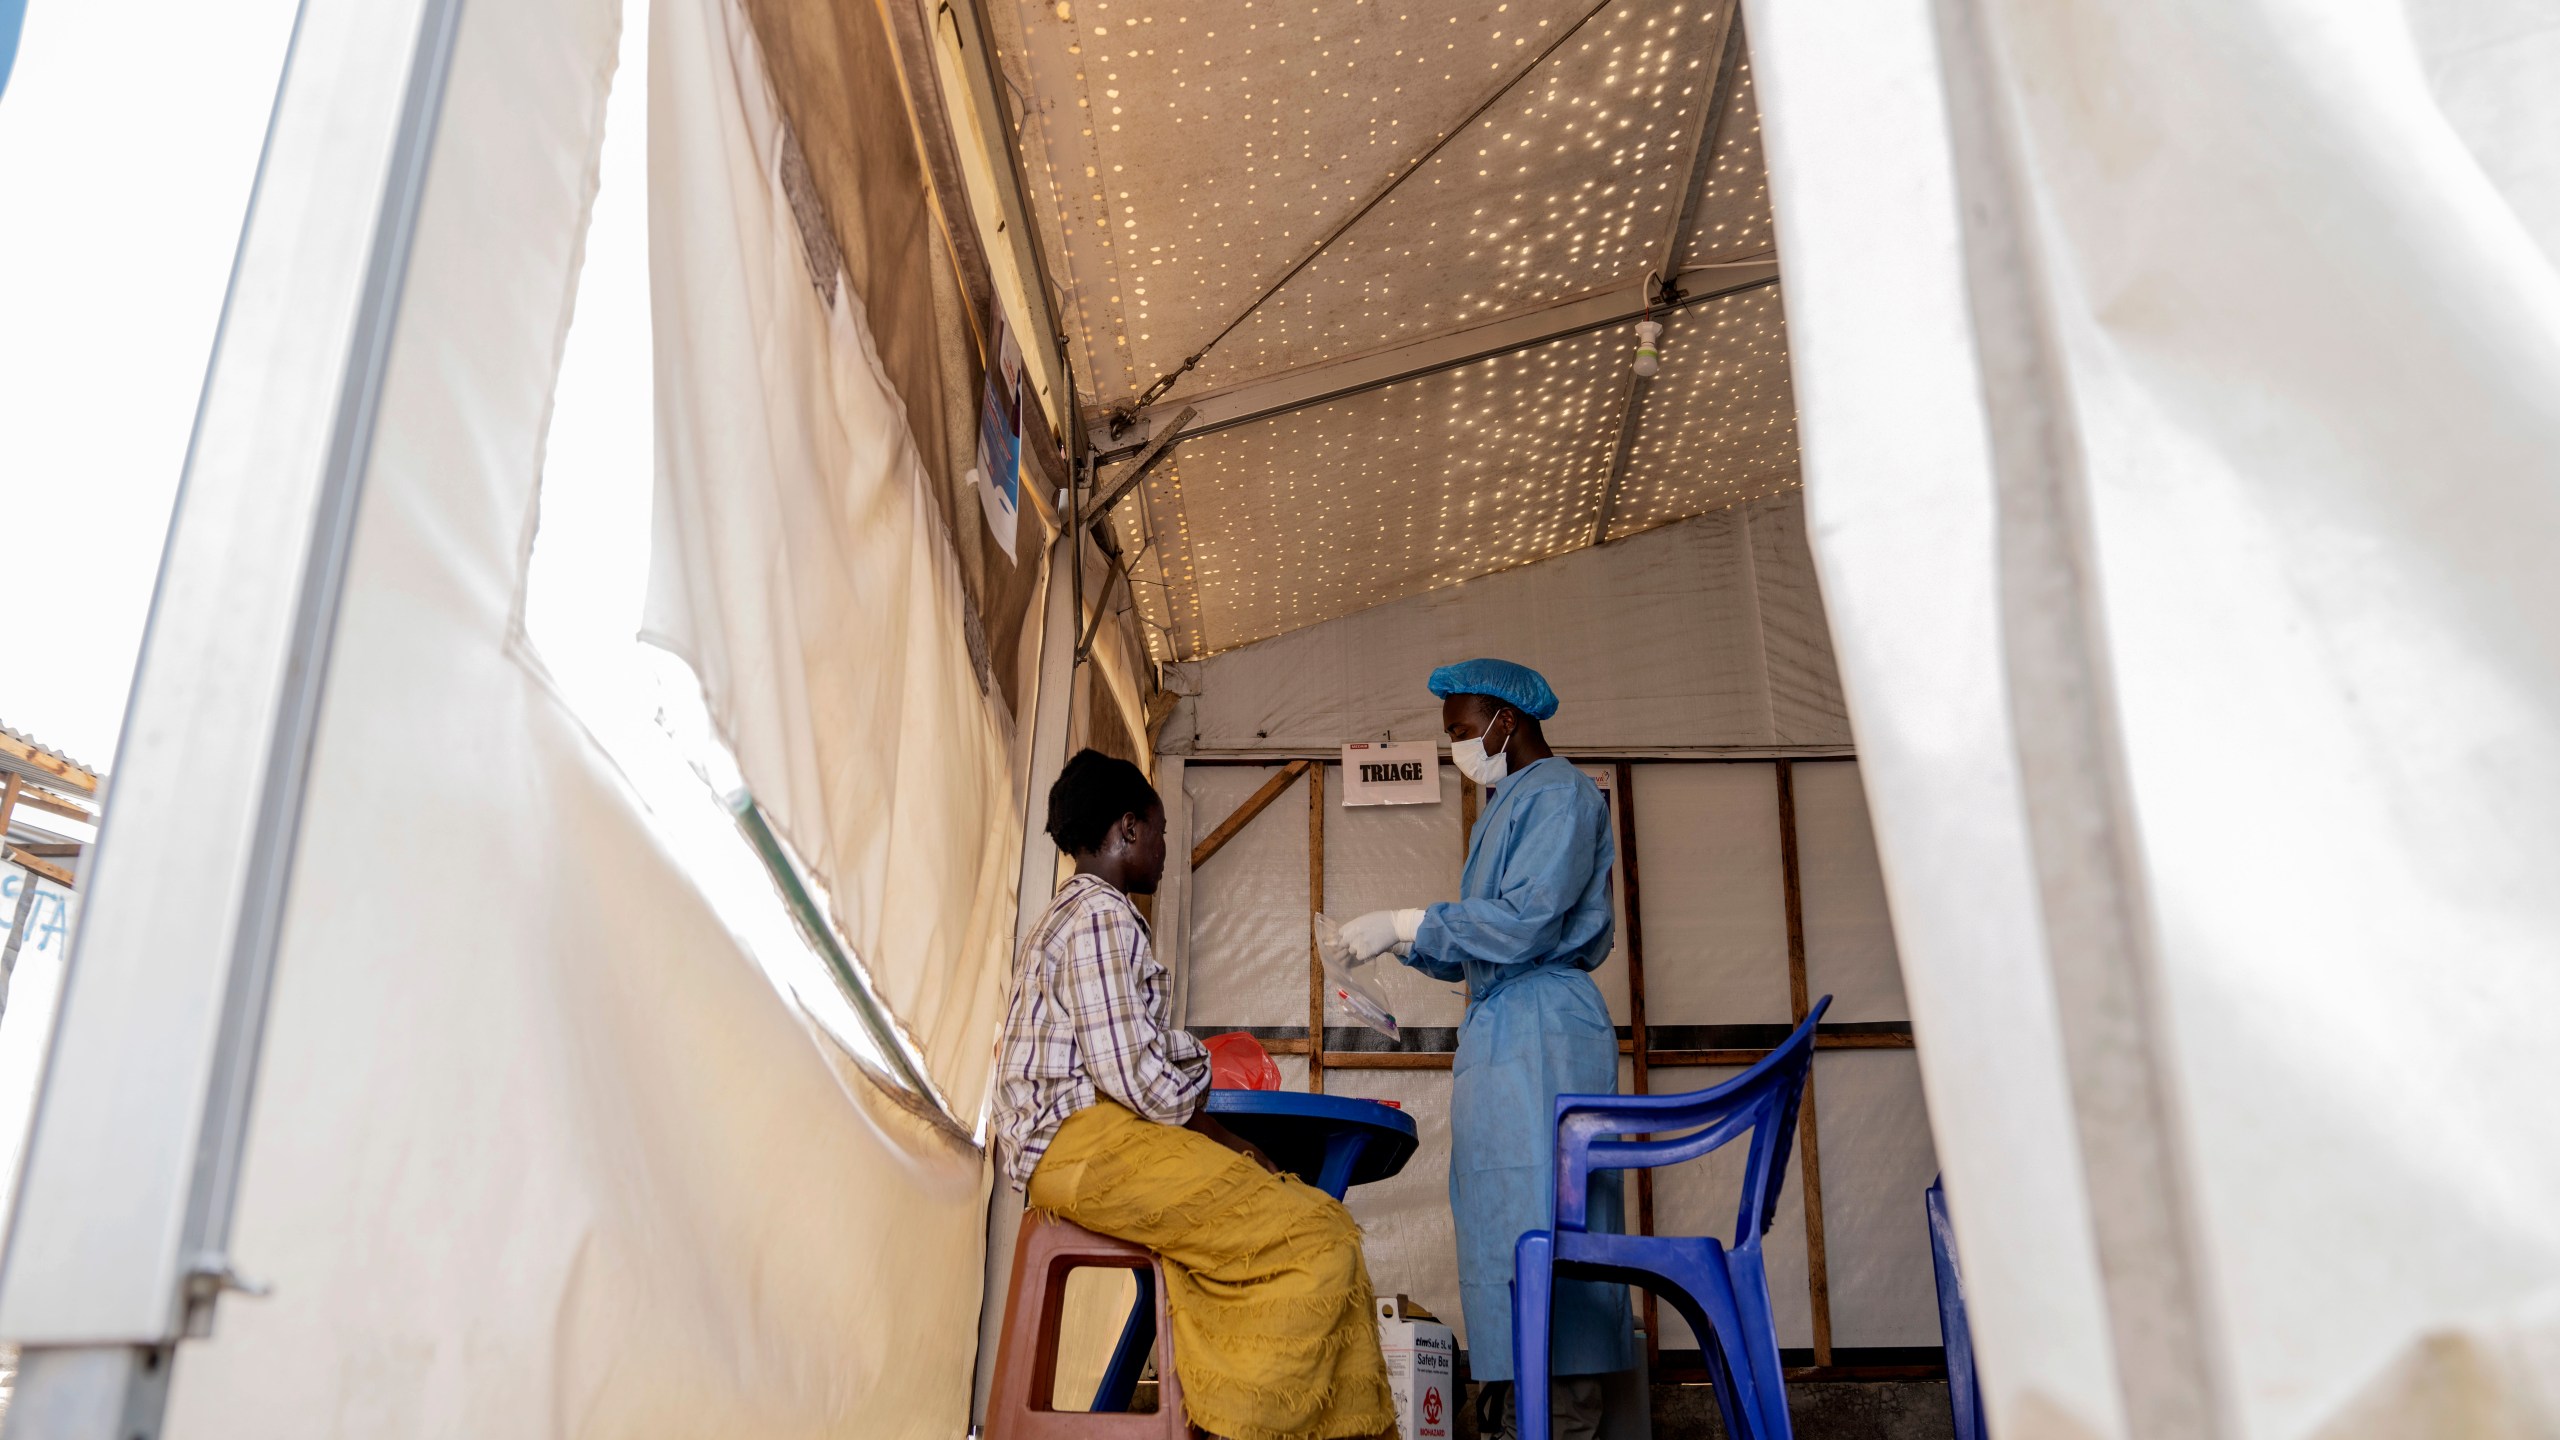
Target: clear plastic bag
(1345, 987)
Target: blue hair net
(1515, 684)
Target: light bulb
(1648, 348)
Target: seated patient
(1100, 1116)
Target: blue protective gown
(1533, 919)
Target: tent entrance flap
(147, 1093)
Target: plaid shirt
(1089, 1021)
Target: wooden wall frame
(1316, 1045)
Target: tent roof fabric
(1183, 163)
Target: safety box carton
(1422, 1369)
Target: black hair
(1091, 795)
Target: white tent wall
(1704, 639)
(2180, 478)
(537, 1151)
(1703, 633)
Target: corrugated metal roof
(25, 755)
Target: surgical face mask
(1472, 760)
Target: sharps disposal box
(1422, 1369)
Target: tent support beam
(1101, 604)
(46, 869)
(1376, 198)
(1275, 395)
(1254, 804)
(1147, 458)
(1817, 1268)
(1692, 176)
(1315, 907)
(18, 922)
(36, 797)
(1631, 887)
(1622, 448)
(1731, 1058)
(1051, 718)
(1021, 277)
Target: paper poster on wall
(999, 468)
(1403, 772)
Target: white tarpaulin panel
(1611, 976)
(1701, 1197)
(2254, 391)
(1714, 894)
(1249, 937)
(1848, 936)
(536, 1149)
(1876, 1167)
(1407, 1233)
(1708, 632)
(1389, 858)
(803, 570)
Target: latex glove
(1374, 934)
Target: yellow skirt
(1273, 1332)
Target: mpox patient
(1100, 1119)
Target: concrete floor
(1834, 1410)
(1831, 1410)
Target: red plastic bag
(1237, 1061)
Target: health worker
(1532, 920)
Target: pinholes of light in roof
(1238, 142)
(1328, 510)
(1190, 158)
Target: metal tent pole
(1050, 713)
(17, 934)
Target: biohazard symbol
(1431, 1405)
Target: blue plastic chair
(13, 18)
(1722, 1292)
(1964, 1390)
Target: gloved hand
(1374, 934)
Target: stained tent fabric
(537, 1151)
(2272, 285)
(803, 569)
(873, 174)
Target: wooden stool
(1027, 1352)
